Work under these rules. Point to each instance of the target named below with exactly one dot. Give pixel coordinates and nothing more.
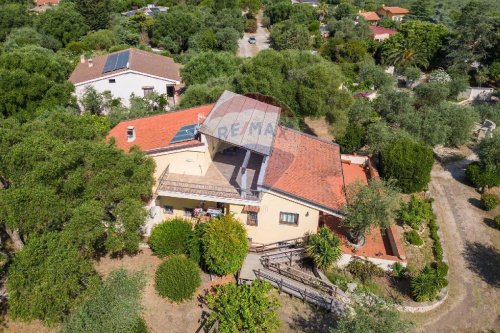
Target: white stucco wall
(125, 84)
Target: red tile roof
(306, 167)
(381, 31)
(370, 16)
(46, 2)
(139, 61)
(396, 10)
(156, 132)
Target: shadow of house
(484, 260)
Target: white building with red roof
(381, 33)
(370, 17)
(127, 72)
(393, 13)
(234, 157)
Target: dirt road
(245, 49)
(472, 247)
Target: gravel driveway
(245, 49)
(472, 247)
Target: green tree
(64, 23)
(32, 78)
(177, 278)
(244, 308)
(489, 151)
(373, 75)
(415, 44)
(46, 278)
(432, 93)
(372, 317)
(12, 15)
(29, 36)
(408, 162)
(324, 248)
(99, 40)
(209, 65)
(171, 237)
(412, 74)
(113, 307)
(95, 12)
(225, 245)
(369, 206)
(290, 35)
(353, 140)
(200, 94)
(423, 10)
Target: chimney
(91, 63)
(130, 133)
(82, 59)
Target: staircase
(277, 264)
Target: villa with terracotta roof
(234, 157)
(381, 33)
(127, 72)
(370, 17)
(393, 13)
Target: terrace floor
(223, 177)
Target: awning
(253, 209)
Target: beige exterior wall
(269, 228)
(191, 162)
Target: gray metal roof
(243, 122)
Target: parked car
(252, 40)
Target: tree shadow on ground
(491, 223)
(476, 203)
(317, 321)
(457, 170)
(484, 261)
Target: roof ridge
(309, 135)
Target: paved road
(472, 248)
(245, 49)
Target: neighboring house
(381, 33)
(370, 17)
(127, 72)
(234, 157)
(393, 13)
(324, 31)
(149, 10)
(313, 3)
(43, 5)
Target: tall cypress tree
(96, 12)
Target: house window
(289, 218)
(112, 81)
(188, 212)
(147, 91)
(252, 218)
(168, 210)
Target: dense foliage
(408, 162)
(324, 248)
(46, 278)
(171, 237)
(415, 212)
(413, 238)
(243, 308)
(427, 284)
(486, 172)
(369, 206)
(364, 270)
(489, 200)
(113, 307)
(177, 278)
(225, 245)
(89, 190)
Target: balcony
(221, 182)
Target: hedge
(413, 238)
(171, 237)
(490, 201)
(177, 278)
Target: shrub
(497, 221)
(415, 212)
(428, 283)
(480, 175)
(225, 245)
(437, 248)
(114, 307)
(413, 238)
(324, 248)
(409, 162)
(171, 237)
(251, 25)
(363, 270)
(177, 278)
(397, 269)
(339, 279)
(244, 308)
(490, 201)
(195, 246)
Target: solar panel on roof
(116, 61)
(185, 133)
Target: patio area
(222, 179)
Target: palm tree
(324, 248)
(402, 54)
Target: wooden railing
(285, 244)
(288, 256)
